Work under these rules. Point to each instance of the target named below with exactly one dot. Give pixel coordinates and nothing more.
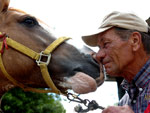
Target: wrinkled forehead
(108, 34)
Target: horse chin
(82, 83)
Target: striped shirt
(138, 92)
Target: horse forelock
(17, 10)
(43, 24)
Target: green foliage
(18, 101)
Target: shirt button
(140, 89)
(134, 101)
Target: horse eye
(29, 21)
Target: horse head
(23, 35)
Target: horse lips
(82, 83)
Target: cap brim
(91, 39)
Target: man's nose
(100, 55)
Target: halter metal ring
(42, 55)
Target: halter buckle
(43, 56)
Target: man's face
(114, 53)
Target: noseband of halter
(34, 55)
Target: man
(124, 50)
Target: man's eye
(106, 44)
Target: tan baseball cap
(117, 19)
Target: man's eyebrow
(102, 39)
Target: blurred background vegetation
(18, 101)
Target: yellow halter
(36, 56)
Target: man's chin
(112, 73)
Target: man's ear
(4, 5)
(135, 40)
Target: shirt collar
(143, 76)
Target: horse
(32, 57)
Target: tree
(18, 101)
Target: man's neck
(134, 67)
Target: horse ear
(4, 5)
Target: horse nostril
(78, 69)
(95, 61)
(92, 59)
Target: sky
(75, 18)
(78, 17)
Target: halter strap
(36, 56)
